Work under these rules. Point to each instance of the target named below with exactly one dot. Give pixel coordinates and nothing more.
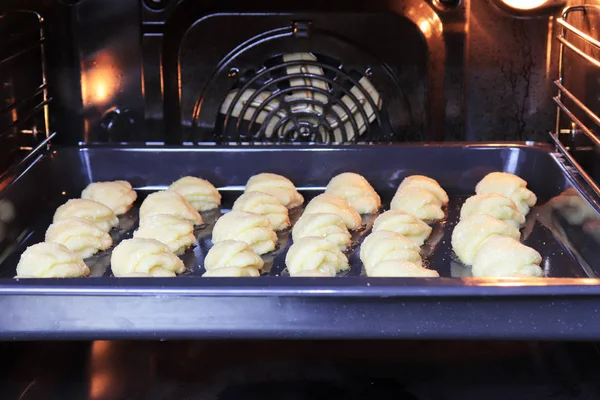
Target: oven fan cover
(301, 97)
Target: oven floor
(279, 370)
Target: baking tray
(565, 305)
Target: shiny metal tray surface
(562, 228)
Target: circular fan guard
(296, 98)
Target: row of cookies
(487, 236)
(393, 247)
(242, 235)
(81, 228)
(167, 220)
(322, 233)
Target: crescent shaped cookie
(50, 260)
(200, 193)
(232, 254)
(356, 190)
(175, 232)
(401, 269)
(253, 229)
(79, 235)
(264, 204)
(278, 186)
(508, 185)
(97, 213)
(405, 224)
(169, 203)
(330, 227)
(313, 274)
(328, 203)
(315, 254)
(119, 196)
(420, 202)
(472, 231)
(386, 245)
(232, 272)
(504, 257)
(495, 205)
(424, 182)
(147, 256)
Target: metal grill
(580, 118)
(299, 97)
(24, 118)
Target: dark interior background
(497, 69)
(300, 370)
(112, 75)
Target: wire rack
(24, 99)
(580, 117)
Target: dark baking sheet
(280, 306)
(437, 252)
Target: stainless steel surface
(24, 99)
(561, 84)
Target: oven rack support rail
(577, 125)
(27, 132)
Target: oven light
(524, 4)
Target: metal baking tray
(563, 305)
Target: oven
(149, 91)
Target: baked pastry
(328, 203)
(472, 231)
(136, 275)
(119, 196)
(387, 245)
(424, 182)
(405, 224)
(501, 256)
(169, 203)
(253, 229)
(232, 258)
(508, 185)
(278, 186)
(50, 260)
(315, 254)
(173, 231)
(312, 273)
(327, 226)
(232, 254)
(401, 269)
(148, 256)
(232, 272)
(421, 203)
(264, 204)
(356, 190)
(79, 235)
(97, 213)
(495, 205)
(200, 193)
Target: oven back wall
(107, 67)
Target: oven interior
(163, 73)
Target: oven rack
(576, 124)
(24, 111)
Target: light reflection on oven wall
(100, 80)
(115, 372)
